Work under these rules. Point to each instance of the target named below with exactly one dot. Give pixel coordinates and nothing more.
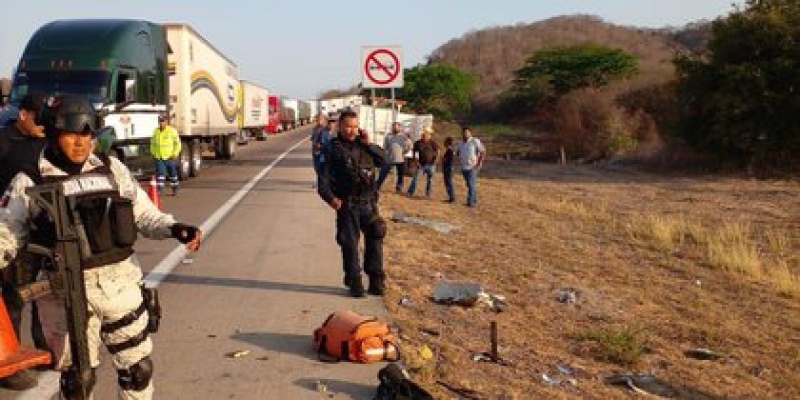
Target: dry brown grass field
(661, 265)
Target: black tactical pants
(352, 220)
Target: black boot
(356, 287)
(377, 286)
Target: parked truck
(254, 117)
(303, 112)
(134, 70)
(290, 116)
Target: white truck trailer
(203, 86)
(254, 115)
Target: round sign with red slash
(382, 68)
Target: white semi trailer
(203, 85)
(254, 115)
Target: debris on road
(567, 296)
(463, 392)
(238, 353)
(467, 295)
(406, 302)
(463, 294)
(644, 384)
(322, 389)
(703, 354)
(187, 260)
(438, 226)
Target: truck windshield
(92, 84)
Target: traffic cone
(153, 192)
(13, 357)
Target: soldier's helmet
(70, 113)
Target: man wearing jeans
(426, 151)
(470, 154)
(396, 145)
(165, 146)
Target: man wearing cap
(21, 143)
(426, 151)
(111, 208)
(165, 146)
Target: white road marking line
(49, 381)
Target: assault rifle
(67, 283)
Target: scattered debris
(464, 294)
(406, 302)
(644, 384)
(463, 392)
(263, 358)
(438, 226)
(322, 389)
(430, 331)
(496, 302)
(567, 296)
(211, 336)
(426, 352)
(187, 260)
(550, 381)
(703, 354)
(238, 353)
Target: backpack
(346, 335)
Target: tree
(439, 89)
(741, 99)
(564, 69)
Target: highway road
(268, 274)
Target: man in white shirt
(470, 154)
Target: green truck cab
(120, 65)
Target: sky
(300, 48)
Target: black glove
(184, 233)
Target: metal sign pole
(394, 112)
(374, 122)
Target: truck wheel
(228, 147)
(196, 158)
(185, 161)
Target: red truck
(280, 118)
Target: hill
(493, 54)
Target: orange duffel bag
(346, 335)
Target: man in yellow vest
(165, 146)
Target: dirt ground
(656, 266)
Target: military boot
(377, 286)
(356, 287)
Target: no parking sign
(382, 67)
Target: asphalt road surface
(267, 275)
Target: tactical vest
(105, 224)
(352, 172)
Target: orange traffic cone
(153, 192)
(14, 358)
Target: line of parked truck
(134, 70)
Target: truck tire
(196, 151)
(228, 147)
(185, 161)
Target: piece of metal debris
(567, 296)
(643, 384)
(703, 354)
(464, 294)
(438, 226)
(238, 353)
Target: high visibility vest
(165, 144)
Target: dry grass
(693, 262)
(731, 249)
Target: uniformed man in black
(21, 143)
(347, 184)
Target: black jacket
(18, 153)
(349, 171)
